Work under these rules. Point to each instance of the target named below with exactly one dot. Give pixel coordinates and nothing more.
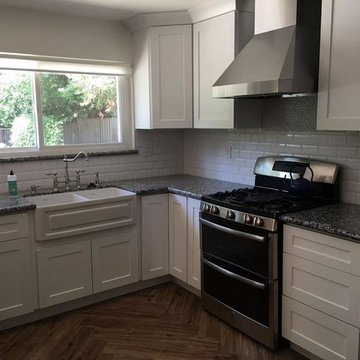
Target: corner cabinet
(214, 50)
(162, 73)
(339, 81)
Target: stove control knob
(214, 210)
(230, 215)
(206, 208)
(258, 221)
(248, 219)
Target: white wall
(46, 34)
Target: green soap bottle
(12, 185)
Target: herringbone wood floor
(165, 322)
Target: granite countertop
(11, 206)
(185, 185)
(341, 220)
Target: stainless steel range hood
(284, 61)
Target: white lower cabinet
(321, 294)
(318, 333)
(114, 259)
(170, 238)
(64, 272)
(16, 283)
(155, 236)
(193, 248)
(178, 236)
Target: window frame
(125, 116)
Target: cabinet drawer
(318, 333)
(334, 292)
(14, 227)
(327, 250)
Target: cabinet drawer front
(14, 227)
(64, 273)
(327, 250)
(318, 333)
(334, 292)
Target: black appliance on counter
(241, 241)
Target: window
(55, 111)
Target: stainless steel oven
(240, 277)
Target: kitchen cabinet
(114, 259)
(193, 243)
(162, 75)
(321, 293)
(178, 236)
(155, 236)
(64, 272)
(339, 79)
(214, 50)
(16, 282)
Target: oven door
(252, 249)
(244, 292)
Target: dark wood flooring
(165, 322)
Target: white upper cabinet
(214, 50)
(162, 75)
(339, 82)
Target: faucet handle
(79, 171)
(54, 174)
(33, 188)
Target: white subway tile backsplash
(341, 148)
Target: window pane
(16, 110)
(79, 109)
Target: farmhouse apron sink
(70, 214)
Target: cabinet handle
(234, 276)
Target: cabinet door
(178, 236)
(155, 236)
(318, 333)
(16, 286)
(339, 82)
(171, 76)
(214, 50)
(64, 272)
(193, 276)
(115, 259)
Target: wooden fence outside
(91, 131)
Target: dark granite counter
(185, 185)
(12, 206)
(341, 220)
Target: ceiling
(105, 9)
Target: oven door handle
(240, 278)
(232, 231)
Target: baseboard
(82, 302)
(186, 286)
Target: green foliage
(64, 98)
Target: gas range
(257, 206)
(241, 241)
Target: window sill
(20, 158)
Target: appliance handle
(240, 278)
(232, 231)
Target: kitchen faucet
(67, 180)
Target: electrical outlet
(229, 152)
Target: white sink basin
(105, 193)
(56, 199)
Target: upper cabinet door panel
(171, 76)
(339, 82)
(214, 50)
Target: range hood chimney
(283, 56)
